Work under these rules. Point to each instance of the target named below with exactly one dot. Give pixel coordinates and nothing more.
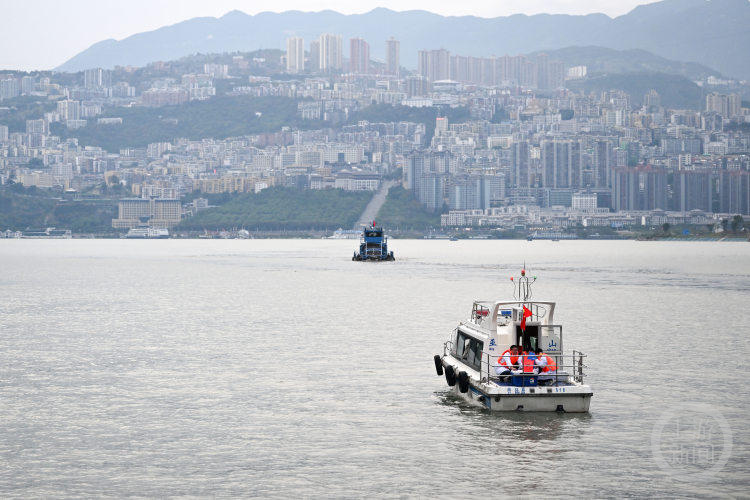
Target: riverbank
(396, 234)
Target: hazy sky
(41, 34)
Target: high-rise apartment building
(602, 167)
(392, 56)
(434, 64)
(520, 164)
(640, 188)
(330, 52)
(470, 193)
(441, 125)
(693, 190)
(37, 126)
(295, 55)
(417, 166)
(430, 193)
(69, 110)
(313, 64)
(417, 85)
(9, 88)
(560, 164)
(734, 192)
(359, 56)
(556, 75)
(728, 106)
(95, 78)
(27, 85)
(542, 72)
(652, 100)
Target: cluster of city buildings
(82, 103)
(438, 66)
(526, 152)
(353, 158)
(629, 160)
(326, 55)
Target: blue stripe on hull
(487, 400)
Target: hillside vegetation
(601, 60)
(402, 211)
(219, 117)
(280, 208)
(31, 208)
(675, 91)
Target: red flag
(526, 314)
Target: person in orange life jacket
(527, 364)
(507, 362)
(547, 366)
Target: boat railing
(448, 348)
(567, 365)
(539, 309)
(479, 312)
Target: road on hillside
(372, 208)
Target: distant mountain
(676, 91)
(601, 60)
(710, 32)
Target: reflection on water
(516, 428)
(282, 368)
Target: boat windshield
(469, 350)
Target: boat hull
(539, 402)
(570, 397)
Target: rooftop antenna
(522, 285)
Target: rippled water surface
(281, 368)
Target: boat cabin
(495, 326)
(373, 245)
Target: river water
(281, 368)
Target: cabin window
(469, 350)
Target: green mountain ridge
(676, 91)
(601, 60)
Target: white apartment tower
(359, 56)
(295, 55)
(392, 52)
(330, 52)
(728, 106)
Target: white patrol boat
(471, 360)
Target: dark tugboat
(373, 245)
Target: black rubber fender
(450, 375)
(463, 382)
(438, 365)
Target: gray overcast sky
(41, 34)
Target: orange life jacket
(513, 359)
(551, 365)
(528, 365)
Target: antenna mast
(522, 286)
